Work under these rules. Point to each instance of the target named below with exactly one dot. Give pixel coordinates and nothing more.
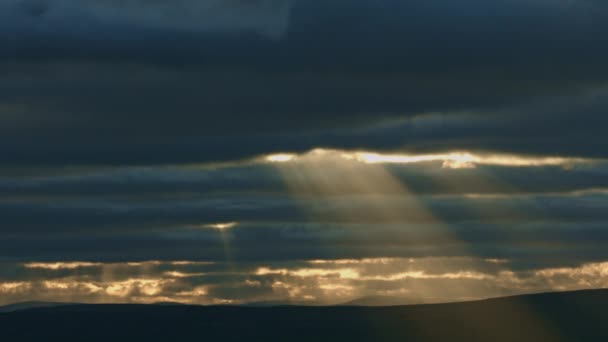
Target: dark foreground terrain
(571, 316)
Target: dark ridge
(29, 305)
(565, 316)
(378, 301)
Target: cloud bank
(229, 151)
(265, 17)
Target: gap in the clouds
(451, 160)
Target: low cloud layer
(317, 205)
(426, 280)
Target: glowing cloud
(281, 158)
(418, 280)
(344, 273)
(15, 287)
(452, 160)
(177, 274)
(222, 225)
(61, 265)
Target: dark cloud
(117, 93)
(196, 182)
(122, 214)
(564, 126)
(81, 214)
(35, 8)
(133, 130)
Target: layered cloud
(266, 17)
(322, 204)
(515, 76)
(276, 150)
(169, 120)
(425, 280)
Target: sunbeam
(327, 176)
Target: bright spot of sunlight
(222, 225)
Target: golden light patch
(280, 158)
(364, 261)
(451, 160)
(15, 287)
(199, 291)
(222, 225)
(61, 265)
(177, 274)
(344, 273)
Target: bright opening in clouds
(221, 226)
(452, 160)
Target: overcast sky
(231, 151)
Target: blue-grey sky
(231, 151)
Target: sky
(307, 152)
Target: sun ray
(330, 174)
(333, 178)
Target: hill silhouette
(378, 301)
(566, 316)
(30, 305)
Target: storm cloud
(227, 151)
